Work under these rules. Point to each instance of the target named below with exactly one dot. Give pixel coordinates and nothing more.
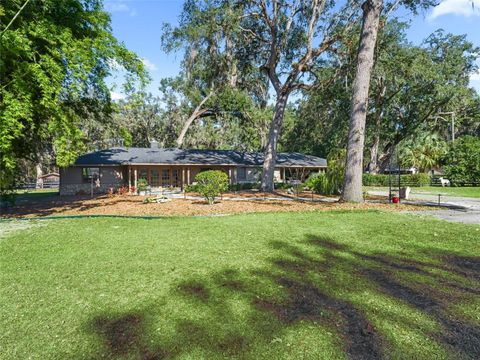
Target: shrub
(211, 184)
(281, 186)
(375, 180)
(463, 161)
(244, 186)
(192, 188)
(142, 184)
(331, 182)
(123, 190)
(325, 183)
(420, 179)
(7, 198)
(405, 180)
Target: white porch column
(129, 179)
(183, 177)
(135, 174)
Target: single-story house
(50, 180)
(102, 170)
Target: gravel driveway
(459, 209)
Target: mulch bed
(134, 206)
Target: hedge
(414, 180)
(240, 186)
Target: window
(143, 174)
(90, 174)
(175, 178)
(154, 177)
(241, 174)
(165, 177)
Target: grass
(473, 192)
(27, 195)
(330, 285)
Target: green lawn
(26, 195)
(327, 285)
(473, 192)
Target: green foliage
(463, 161)
(415, 180)
(244, 186)
(140, 118)
(126, 136)
(211, 184)
(321, 184)
(54, 60)
(330, 182)
(423, 153)
(142, 184)
(192, 188)
(374, 180)
(7, 198)
(409, 84)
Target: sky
(138, 23)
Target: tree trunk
(352, 185)
(384, 158)
(39, 171)
(231, 63)
(373, 166)
(196, 113)
(270, 154)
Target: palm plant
(424, 152)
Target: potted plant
(142, 185)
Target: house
(102, 170)
(50, 180)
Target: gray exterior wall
(72, 182)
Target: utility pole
(452, 121)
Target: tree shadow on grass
(124, 336)
(308, 282)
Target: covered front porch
(179, 176)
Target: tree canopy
(241, 61)
(55, 58)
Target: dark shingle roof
(124, 156)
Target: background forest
(55, 103)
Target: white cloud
(149, 65)
(116, 95)
(456, 7)
(119, 7)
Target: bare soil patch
(134, 206)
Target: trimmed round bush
(211, 184)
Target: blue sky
(138, 23)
